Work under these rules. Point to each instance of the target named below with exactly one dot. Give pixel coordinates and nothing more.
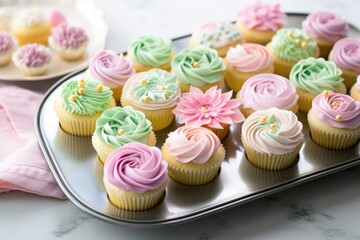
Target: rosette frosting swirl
(111, 68)
(249, 57)
(32, 55)
(316, 75)
(150, 50)
(118, 126)
(346, 54)
(336, 109)
(268, 90)
(192, 144)
(325, 26)
(68, 36)
(272, 131)
(85, 97)
(198, 66)
(136, 167)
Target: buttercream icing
(67, 36)
(30, 17)
(7, 42)
(32, 55)
(346, 54)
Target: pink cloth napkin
(22, 164)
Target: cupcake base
(255, 36)
(38, 34)
(221, 133)
(349, 76)
(186, 87)
(324, 48)
(143, 68)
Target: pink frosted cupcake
(211, 109)
(245, 61)
(258, 22)
(112, 69)
(8, 45)
(334, 120)
(68, 41)
(267, 90)
(326, 28)
(135, 177)
(32, 59)
(355, 89)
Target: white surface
(326, 208)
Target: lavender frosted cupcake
(32, 59)
(8, 45)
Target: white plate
(82, 13)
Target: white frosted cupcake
(8, 45)
(5, 16)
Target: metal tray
(78, 171)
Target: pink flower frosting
(136, 167)
(249, 57)
(6, 42)
(268, 90)
(32, 55)
(346, 54)
(336, 109)
(57, 18)
(111, 68)
(193, 144)
(211, 108)
(263, 17)
(325, 26)
(68, 36)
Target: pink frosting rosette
(136, 167)
(32, 55)
(346, 54)
(68, 36)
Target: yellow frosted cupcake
(194, 155)
(355, 90)
(272, 138)
(135, 177)
(334, 120)
(80, 103)
(118, 126)
(155, 93)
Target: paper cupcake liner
(221, 133)
(255, 36)
(305, 100)
(143, 68)
(133, 201)
(186, 88)
(324, 48)
(283, 68)
(350, 77)
(117, 93)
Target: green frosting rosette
(198, 66)
(85, 97)
(151, 51)
(292, 44)
(315, 75)
(118, 126)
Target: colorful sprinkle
(80, 91)
(196, 64)
(162, 88)
(146, 99)
(121, 132)
(290, 34)
(73, 98)
(272, 127)
(263, 120)
(143, 82)
(303, 44)
(99, 88)
(338, 118)
(297, 42)
(325, 93)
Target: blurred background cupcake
(8, 45)
(5, 17)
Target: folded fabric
(22, 164)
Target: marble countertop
(325, 208)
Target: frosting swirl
(136, 167)
(7, 42)
(111, 68)
(325, 26)
(192, 144)
(292, 44)
(30, 17)
(118, 126)
(316, 75)
(268, 90)
(249, 57)
(68, 36)
(198, 66)
(211, 108)
(154, 89)
(262, 16)
(272, 130)
(336, 109)
(346, 54)
(150, 50)
(85, 97)
(32, 55)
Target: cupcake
(346, 55)
(265, 91)
(31, 26)
(112, 69)
(56, 18)
(135, 177)
(312, 76)
(147, 52)
(32, 59)
(258, 22)
(68, 41)
(118, 126)
(288, 46)
(272, 138)
(155, 93)
(219, 35)
(326, 28)
(8, 45)
(199, 67)
(212, 110)
(80, 103)
(5, 17)
(194, 155)
(355, 89)
(245, 61)
(334, 120)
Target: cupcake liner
(349, 77)
(186, 87)
(255, 36)
(282, 68)
(117, 93)
(143, 68)
(324, 48)
(221, 133)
